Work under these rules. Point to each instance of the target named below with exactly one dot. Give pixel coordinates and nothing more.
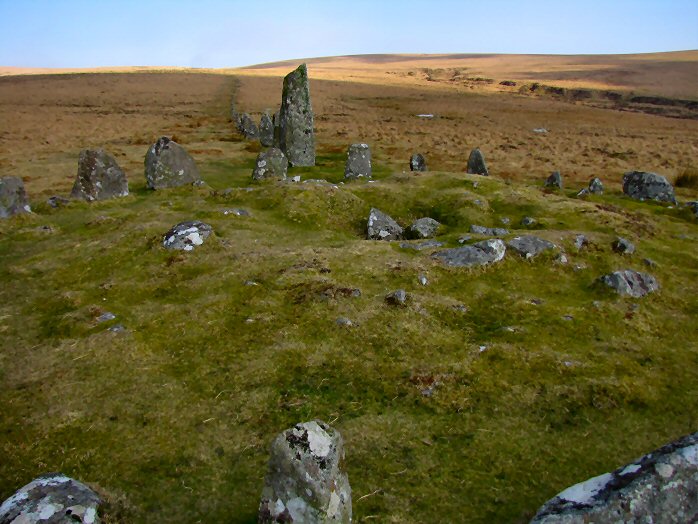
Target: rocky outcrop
(358, 162)
(659, 487)
(167, 164)
(631, 283)
(529, 246)
(99, 177)
(478, 254)
(271, 163)
(418, 162)
(423, 228)
(51, 499)
(186, 235)
(306, 481)
(13, 199)
(476, 163)
(648, 186)
(382, 227)
(296, 134)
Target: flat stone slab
(478, 254)
(529, 246)
(488, 231)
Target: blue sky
(219, 33)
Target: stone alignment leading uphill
(13, 199)
(167, 164)
(296, 134)
(99, 177)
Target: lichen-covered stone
(631, 283)
(99, 177)
(660, 487)
(51, 499)
(488, 231)
(648, 186)
(596, 186)
(296, 134)
(271, 163)
(424, 228)
(167, 164)
(13, 199)
(478, 254)
(306, 481)
(186, 235)
(529, 246)
(247, 127)
(554, 180)
(382, 227)
(358, 162)
(418, 162)
(266, 130)
(476, 163)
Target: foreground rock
(13, 199)
(186, 235)
(167, 164)
(247, 127)
(424, 228)
(266, 130)
(478, 254)
(271, 163)
(382, 226)
(631, 283)
(358, 162)
(554, 180)
(659, 487)
(99, 177)
(648, 186)
(418, 163)
(296, 135)
(52, 498)
(306, 481)
(529, 246)
(476, 163)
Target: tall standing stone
(476, 163)
(358, 162)
(297, 138)
(167, 164)
(266, 130)
(13, 199)
(99, 177)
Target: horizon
(218, 34)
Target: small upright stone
(186, 236)
(424, 228)
(382, 226)
(99, 177)
(306, 481)
(247, 127)
(52, 498)
(296, 134)
(271, 163)
(596, 186)
(554, 180)
(418, 162)
(266, 130)
(167, 164)
(648, 186)
(476, 163)
(13, 199)
(623, 246)
(358, 162)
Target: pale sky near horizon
(220, 33)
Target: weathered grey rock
(266, 130)
(344, 322)
(623, 246)
(277, 129)
(488, 231)
(306, 481)
(358, 162)
(583, 193)
(648, 186)
(99, 177)
(13, 199)
(554, 180)
(397, 297)
(236, 211)
(186, 235)
(167, 164)
(580, 241)
(247, 127)
(660, 487)
(296, 134)
(271, 163)
(419, 246)
(51, 499)
(528, 221)
(529, 246)
(424, 228)
(382, 226)
(418, 162)
(596, 186)
(478, 254)
(476, 163)
(57, 201)
(631, 283)
(693, 206)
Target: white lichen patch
(319, 441)
(664, 470)
(585, 492)
(690, 454)
(195, 238)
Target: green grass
(172, 420)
